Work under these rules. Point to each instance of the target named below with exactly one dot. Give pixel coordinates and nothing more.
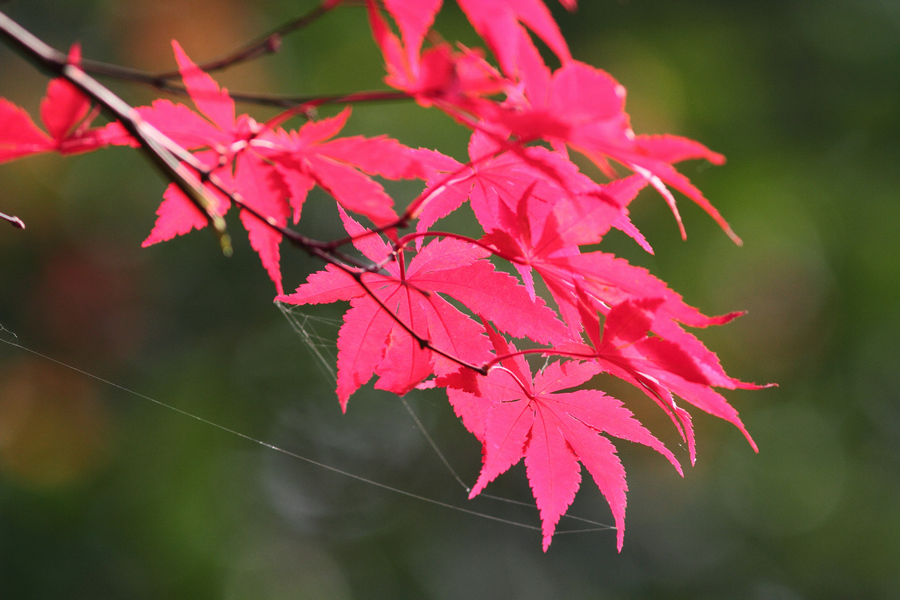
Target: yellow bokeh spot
(54, 430)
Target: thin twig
(264, 45)
(423, 343)
(102, 69)
(261, 46)
(13, 220)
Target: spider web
(319, 335)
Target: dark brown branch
(274, 100)
(542, 351)
(153, 142)
(267, 44)
(180, 166)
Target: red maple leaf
(659, 366)
(371, 342)
(215, 128)
(583, 107)
(491, 177)
(506, 186)
(546, 242)
(272, 171)
(455, 81)
(178, 215)
(65, 112)
(542, 234)
(225, 140)
(517, 416)
(500, 24)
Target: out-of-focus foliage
(107, 495)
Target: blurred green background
(104, 494)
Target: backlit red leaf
(552, 430)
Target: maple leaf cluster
(428, 308)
